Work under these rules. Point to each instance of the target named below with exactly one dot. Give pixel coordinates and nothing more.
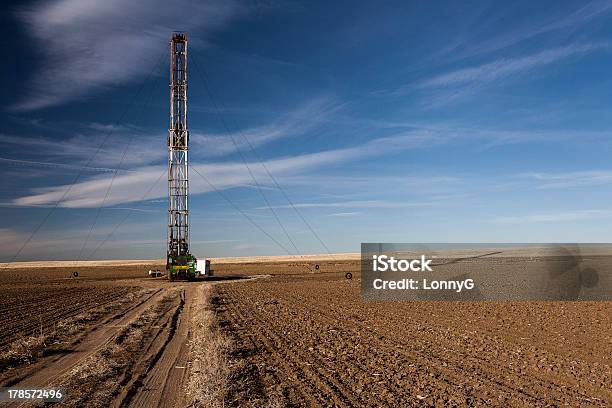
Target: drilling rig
(180, 263)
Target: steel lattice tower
(178, 147)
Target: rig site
(305, 204)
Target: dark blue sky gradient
(382, 121)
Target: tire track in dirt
(156, 381)
(23, 372)
(49, 372)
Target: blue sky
(387, 121)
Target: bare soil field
(37, 309)
(290, 332)
(295, 267)
(309, 340)
(66, 274)
(33, 300)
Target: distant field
(84, 264)
(162, 262)
(494, 251)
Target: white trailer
(207, 271)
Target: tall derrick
(179, 259)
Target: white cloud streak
(359, 204)
(92, 45)
(570, 179)
(562, 216)
(579, 18)
(445, 88)
(81, 147)
(31, 163)
(494, 71)
(132, 187)
(296, 122)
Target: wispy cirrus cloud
(560, 216)
(489, 72)
(86, 147)
(463, 82)
(569, 179)
(90, 45)
(579, 18)
(68, 167)
(448, 87)
(295, 122)
(132, 186)
(86, 141)
(360, 204)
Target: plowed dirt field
(295, 333)
(310, 340)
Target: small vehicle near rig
(207, 270)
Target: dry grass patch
(24, 350)
(210, 372)
(214, 379)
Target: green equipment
(183, 267)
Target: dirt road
(135, 357)
(51, 371)
(109, 336)
(158, 380)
